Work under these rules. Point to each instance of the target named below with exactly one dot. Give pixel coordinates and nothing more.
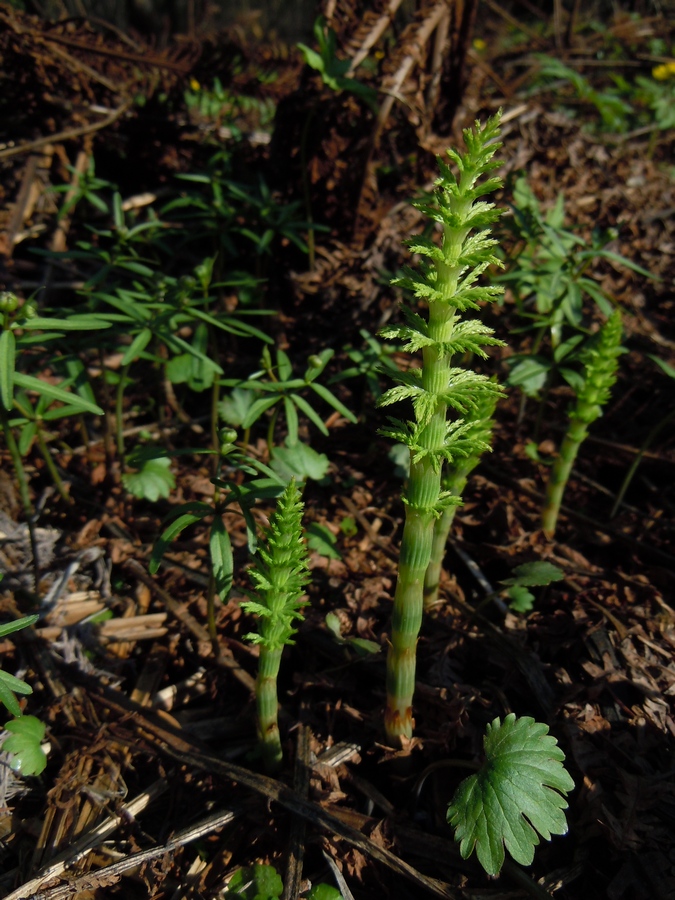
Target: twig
(296, 852)
(58, 241)
(76, 65)
(516, 23)
(374, 35)
(88, 842)
(174, 745)
(440, 44)
(144, 58)
(109, 875)
(179, 612)
(67, 135)
(393, 90)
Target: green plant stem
(306, 189)
(442, 527)
(211, 609)
(267, 706)
(24, 491)
(406, 623)
(424, 489)
(119, 401)
(53, 471)
(600, 374)
(432, 438)
(560, 473)
(630, 474)
(215, 397)
(270, 430)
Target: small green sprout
(600, 368)
(279, 575)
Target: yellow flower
(194, 84)
(479, 44)
(665, 70)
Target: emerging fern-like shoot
(279, 575)
(453, 481)
(600, 374)
(448, 284)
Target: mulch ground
(151, 788)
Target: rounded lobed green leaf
(532, 574)
(517, 795)
(24, 743)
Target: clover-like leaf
(532, 574)
(517, 795)
(153, 479)
(24, 743)
(259, 882)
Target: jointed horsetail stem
(448, 284)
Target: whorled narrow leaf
(222, 561)
(185, 515)
(43, 388)
(7, 367)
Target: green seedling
(646, 444)
(276, 388)
(220, 106)
(333, 71)
(448, 284)
(372, 360)
(22, 330)
(548, 274)
(220, 211)
(601, 363)
(153, 478)
(263, 483)
(147, 322)
(517, 795)
(453, 482)
(646, 103)
(25, 732)
(86, 187)
(533, 574)
(360, 646)
(279, 574)
(261, 882)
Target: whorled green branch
(600, 366)
(279, 574)
(453, 481)
(447, 281)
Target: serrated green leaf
(534, 574)
(520, 599)
(233, 409)
(152, 481)
(221, 558)
(27, 734)
(517, 793)
(299, 461)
